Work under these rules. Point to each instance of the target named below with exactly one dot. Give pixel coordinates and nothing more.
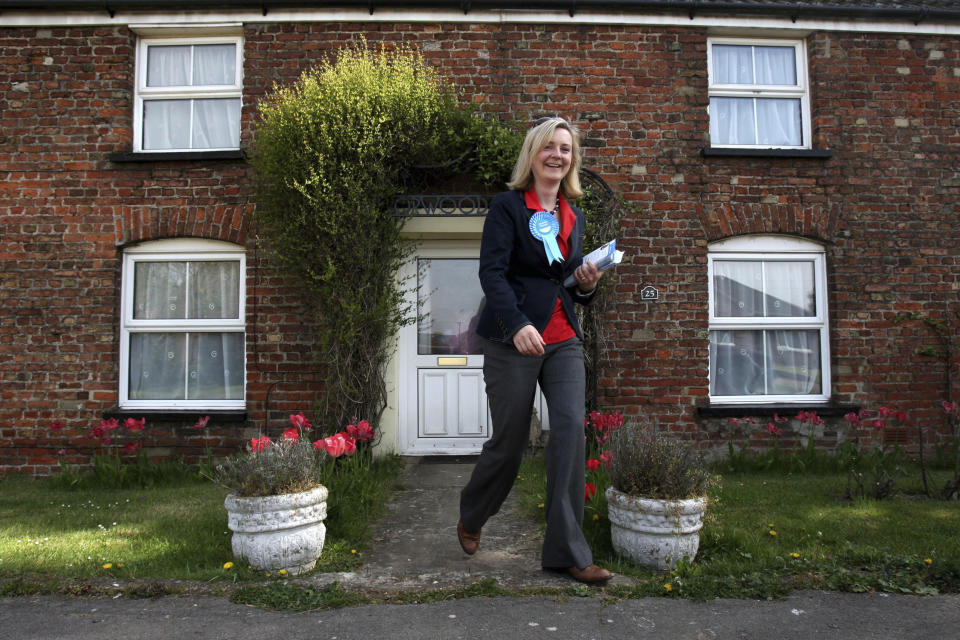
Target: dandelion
(596, 517)
(541, 505)
(108, 566)
(282, 572)
(794, 555)
(668, 587)
(353, 551)
(928, 560)
(228, 565)
(770, 525)
(773, 533)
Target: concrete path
(416, 543)
(417, 549)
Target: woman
(532, 242)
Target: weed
(282, 596)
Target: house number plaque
(649, 293)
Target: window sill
(186, 416)
(825, 409)
(174, 156)
(724, 152)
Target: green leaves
(331, 152)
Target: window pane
(214, 289)
(778, 121)
(732, 121)
(790, 290)
(216, 366)
(449, 299)
(737, 289)
(168, 66)
(732, 64)
(159, 290)
(793, 362)
(736, 363)
(783, 362)
(166, 124)
(214, 64)
(776, 65)
(157, 366)
(216, 123)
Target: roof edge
(685, 7)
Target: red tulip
(134, 425)
(589, 490)
(259, 444)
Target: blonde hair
(536, 139)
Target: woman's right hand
(528, 341)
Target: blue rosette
(545, 228)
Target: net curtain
(192, 365)
(764, 361)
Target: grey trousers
(511, 380)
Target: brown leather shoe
(590, 575)
(469, 540)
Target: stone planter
(279, 532)
(655, 533)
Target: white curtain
(216, 123)
(156, 366)
(738, 288)
(214, 371)
(178, 364)
(751, 120)
(789, 290)
(203, 123)
(168, 66)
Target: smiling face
(552, 163)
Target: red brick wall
(884, 205)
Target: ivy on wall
(331, 153)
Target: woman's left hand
(587, 276)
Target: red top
(558, 328)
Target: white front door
(443, 400)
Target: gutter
(692, 8)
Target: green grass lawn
(173, 530)
(51, 535)
(176, 531)
(769, 532)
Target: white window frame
(801, 90)
(770, 248)
(178, 250)
(143, 93)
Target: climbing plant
(331, 152)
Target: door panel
(453, 403)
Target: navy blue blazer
(520, 287)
